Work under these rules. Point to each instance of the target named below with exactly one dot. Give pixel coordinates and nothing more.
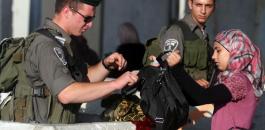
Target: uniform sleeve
(152, 48)
(52, 66)
(168, 39)
(237, 85)
(172, 39)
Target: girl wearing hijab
(238, 84)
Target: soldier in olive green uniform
(60, 80)
(189, 37)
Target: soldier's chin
(202, 21)
(78, 34)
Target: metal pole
(182, 8)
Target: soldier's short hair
(60, 4)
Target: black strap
(41, 92)
(78, 75)
(161, 59)
(187, 33)
(47, 33)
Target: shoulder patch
(171, 44)
(59, 53)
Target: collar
(59, 32)
(191, 23)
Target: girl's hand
(173, 58)
(202, 82)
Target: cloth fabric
(244, 56)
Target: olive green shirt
(153, 46)
(46, 66)
(202, 34)
(193, 26)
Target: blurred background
(20, 17)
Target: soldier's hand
(173, 58)
(127, 78)
(114, 61)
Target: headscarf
(244, 57)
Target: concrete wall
(247, 15)
(148, 16)
(240, 14)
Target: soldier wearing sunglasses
(52, 67)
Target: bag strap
(185, 29)
(47, 33)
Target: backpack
(162, 99)
(12, 74)
(16, 91)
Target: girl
(238, 84)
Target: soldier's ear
(66, 11)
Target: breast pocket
(195, 54)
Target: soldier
(189, 37)
(66, 82)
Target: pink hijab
(244, 57)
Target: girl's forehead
(217, 44)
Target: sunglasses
(87, 19)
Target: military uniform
(193, 43)
(46, 66)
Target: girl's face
(220, 56)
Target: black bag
(162, 99)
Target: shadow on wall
(81, 46)
(130, 47)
